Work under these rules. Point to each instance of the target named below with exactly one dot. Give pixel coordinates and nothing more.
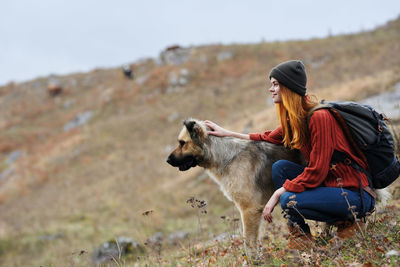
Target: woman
(320, 190)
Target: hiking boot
(347, 229)
(298, 239)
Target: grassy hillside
(94, 182)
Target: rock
(6, 173)
(177, 237)
(155, 93)
(173, 79)
(183, 81)
(175, 56)
(106, 95)
(172, 89)
(158, 61)
(142, 79)
(392, 253)
(13, 156)
(387, 103)
(68, 103)
(316, 62)
(224, 55)
(109, 250)
(177, 80)
(79, 120)
(222, 237)
(203, 59)
(184, 72)
(156, 239)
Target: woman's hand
(217, 130)
(269, 207)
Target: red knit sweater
(326, 136)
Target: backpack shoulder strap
(343, 125)
(321, 105)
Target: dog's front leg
(251, 218)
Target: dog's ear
(193, 128)
(189, 124)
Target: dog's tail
(382, 196)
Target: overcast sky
(41, 37)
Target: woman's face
(275, 90)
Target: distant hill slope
(94, 181)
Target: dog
(242, 168)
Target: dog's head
(190, 151)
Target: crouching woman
(324, 190)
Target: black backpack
(369, 136)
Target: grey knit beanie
(291, 74)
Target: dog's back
(267, 155)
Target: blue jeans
(325, 204)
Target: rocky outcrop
(79, 120)
(175, 55)
(387, 103)
(114, 249)
(177, 237)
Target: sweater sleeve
(274, 136)
(323, 142)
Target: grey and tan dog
(242, 168)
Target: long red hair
(292, 113)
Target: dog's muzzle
(184, 163)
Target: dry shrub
(234, 69)
(7, 147)
(359, 88)
(3, 198)
(158, 78)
